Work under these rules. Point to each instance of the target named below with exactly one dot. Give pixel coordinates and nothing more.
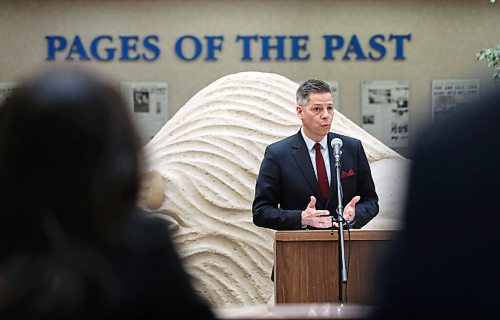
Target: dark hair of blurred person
(444, 263)
(73, 244)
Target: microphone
(337, 145)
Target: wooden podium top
(326, 235)
(307, 264)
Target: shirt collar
(310, 143)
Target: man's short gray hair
(308, 87)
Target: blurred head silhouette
(443, 265)
(67, 149)
(73, 244)
(69, 174)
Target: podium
(306, 265)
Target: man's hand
(349, 210)
(316, 218)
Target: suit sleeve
(367, 208)
(268, 195)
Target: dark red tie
(321, 169)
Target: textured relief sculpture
(202, 167)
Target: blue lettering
(129, 43)
(355, 47)
(247, 53)
(299, 43)
(54, 44)
(151, 47)
(78, 48)
(330, 47)
(379, 47)
(279, 47)
(94, 49)
(399, 45)
(212, 46)
(180, 51)
(190, 47)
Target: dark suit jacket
(287, 180)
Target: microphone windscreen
(336, 141)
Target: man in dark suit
(289, 192)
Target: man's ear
(300, 111)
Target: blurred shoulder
(145, 228)
(475, 127)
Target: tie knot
(317, 147)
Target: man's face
(317, 115)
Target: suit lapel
(301, 156)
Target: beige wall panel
(446, 35)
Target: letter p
(55, 44)
(330, 47)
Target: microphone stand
(341, 220)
